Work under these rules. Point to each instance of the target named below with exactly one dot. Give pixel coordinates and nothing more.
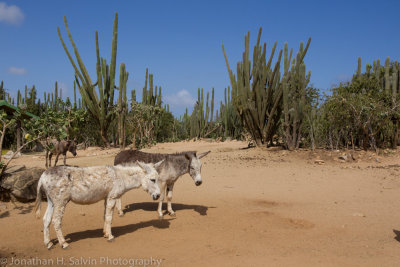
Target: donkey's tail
(38, 199)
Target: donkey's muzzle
(198, 183)
(155, 197)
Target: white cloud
(11, 14)
(17, 71)
(182, 99)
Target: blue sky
(180, 41)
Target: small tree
(6, 121)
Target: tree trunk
(396, 135)
(2, 139)
(103, 134)
(18, 134)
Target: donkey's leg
(50, 156)
(56, 159)
(108, 218)
(169, 199)
(159, 210)
(104, 217)
(46, 223)
(47, 158)
(57, 219)
(65, 158)
(119, 207)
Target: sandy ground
(256, 207)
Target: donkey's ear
(158, 163)
(188, 156)
(203, 154)
(142, 165)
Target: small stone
(358, 214)
(9, 154)
(15, 168)
(319, 161)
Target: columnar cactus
(294, 83)
(99, 105)
(387, 77)
(122, 105)
(75, 103)
(228, 116)
(201, 120)
(257, 90)
(151, 96)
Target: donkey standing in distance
(60, 147)
(88, 185)
(174, 166)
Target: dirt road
(256, 207)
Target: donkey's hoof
(66, 246)
(112, 239)
(49, 245)
(121, 214)
(172, 214)
(160, 217)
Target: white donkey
(174, 166)
(89, 185)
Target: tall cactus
(99, 105)
(231, 123)
(201, 120)
(122, 105)
(19, 101)
(150, 95)
(257, 90)
(133, 97)
(294, 83)
(2, 91)
(387, 77)
(75, 103)
(144, 93)
(55, 104)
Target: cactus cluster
(148, 97)
(387, 77)
(201, 120)
(99, 105)
(294, 84)
(231, 126)
(256, 91)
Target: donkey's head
(150, 180)
(195, 166)
(72, 146)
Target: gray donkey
(174, 166)
(60, 147)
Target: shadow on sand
(4, 214)
(24, 209)
(117, 230)
(152, 206)
(397, 233)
